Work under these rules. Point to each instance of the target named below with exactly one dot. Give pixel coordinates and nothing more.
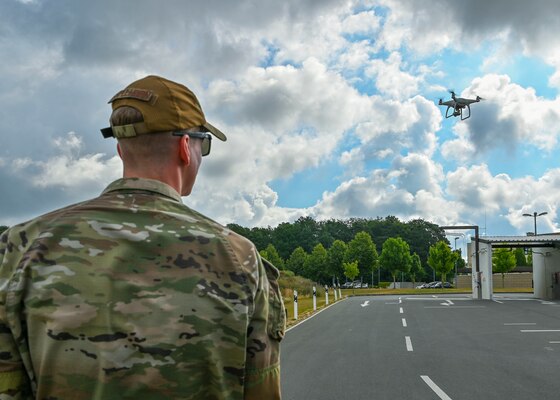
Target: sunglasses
(205, 136)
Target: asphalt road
(425, 347)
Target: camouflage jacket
(133, 295)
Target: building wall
(511, 280)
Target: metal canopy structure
(546, 240)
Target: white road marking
(401, 310)
(520, 323)
(437, 390)
(445, 304)
(404, 322)
(501, 302)
(539, 330)
(456, 307)
(433, 295)
(400, 300)
(450, 302)
(554, 341)
(439, 298)
(365, 304)
(408, 343)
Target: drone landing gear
(458, 111)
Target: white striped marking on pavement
(401, 310)
(450, 302)
(400, 300)
(404, 322)
(408, 343)
(456, 307)
(520, 323)
(539, 330)
(501, 302)
(441, 394)
(554, 341)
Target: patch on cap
(133, 93)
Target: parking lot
(426, 347)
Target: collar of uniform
(150, 185)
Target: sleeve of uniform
(266, 330)
(13, 379)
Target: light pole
(535, 215)
(456, 237)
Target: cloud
(509, 116)
(391, 80)
(69, 169)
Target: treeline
(323, 245)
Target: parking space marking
(539, 330)
(519, 323)
(437, 390)
(404, 322)
(401, 310)
(408, 343)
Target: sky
(330, 107)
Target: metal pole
(535, 214)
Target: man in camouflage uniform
(133, 295)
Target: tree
(530, 258)
(351, 271)
(503, 261)
(416, 270)
(441, 259)
(362, 249)
(272, 255)
(335, 258)
(315, 267)
(395, 257)
(296, 261)
(3, 228)
(520, 259)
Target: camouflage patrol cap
(165, 106)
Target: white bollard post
(295, 304)
(326, 295)
(314, 299)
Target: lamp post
(456, 237)
(535, 215)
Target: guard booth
(546, 264)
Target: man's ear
(184, 151)
(119, 150)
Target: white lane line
(441, 394)
(404, 322)
(450, 302)
(401, 310)
(400, 300)
(520, 323)
(554, 341)
(501, 302)
(408, 343)
(539, 330)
